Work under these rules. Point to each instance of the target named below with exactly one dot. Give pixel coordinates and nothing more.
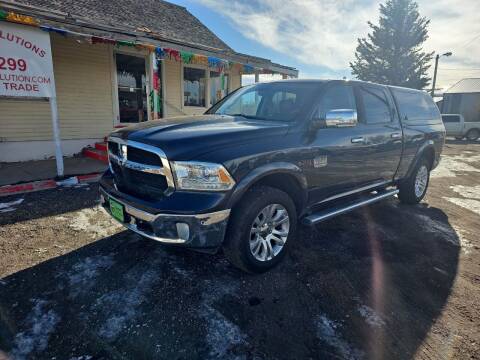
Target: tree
(393, 53)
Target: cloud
(324, 32)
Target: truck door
(380, 145)
(348, 159)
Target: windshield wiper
(247, 116)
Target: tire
(473, 134)
(411, 191)
(247, 235)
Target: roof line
(85, 24)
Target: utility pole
(435, 75)
(435, 71)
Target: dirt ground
(388, 281)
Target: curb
(47, 184)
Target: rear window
(415, 106)
(450, 118)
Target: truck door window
(336, 97)
(375, 106)
(451, 118)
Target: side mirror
(341, 118)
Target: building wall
(83, 79)
(84, 97)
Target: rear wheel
(413, 189)
(473, 134)
(260, 229)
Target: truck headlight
(192, 175)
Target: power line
(458, 69)
(470, 41)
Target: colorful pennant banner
(161, 53)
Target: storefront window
(218, 86)
(194, 87)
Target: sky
(318, 37)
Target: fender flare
(265, 170)
(426, 146)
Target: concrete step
(95, 154)
(102, 146)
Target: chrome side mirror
(341, 118)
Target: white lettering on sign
(25, 61)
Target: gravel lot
(385, 282)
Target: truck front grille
(139, 170)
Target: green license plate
(117, 210)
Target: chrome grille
(139, 169)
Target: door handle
(357, 140)
(396, 135)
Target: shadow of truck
(367, 284)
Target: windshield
(283, 101)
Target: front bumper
(202, 231)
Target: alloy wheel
(269, 232)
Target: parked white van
(456, 126)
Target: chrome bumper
(196, 231)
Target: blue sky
(318, 37)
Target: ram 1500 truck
(242, 175)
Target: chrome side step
(331, 212)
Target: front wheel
(413, 189)
(260, 230)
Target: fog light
(183, 231)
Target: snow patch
(222, 334)
(449, 165)
(9, 206)
(122, 304)
(370, 316)
(469, 204)
(71, 181)
(41, 324)
(327, 331)
(81, 276)
(463, 236)
(95, 222)
(472, 192)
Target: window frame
(207, 86)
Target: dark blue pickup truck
(269, 155)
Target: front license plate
(117, 210)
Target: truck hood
(187, 137)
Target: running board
(338, 210)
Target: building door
(132, 91)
